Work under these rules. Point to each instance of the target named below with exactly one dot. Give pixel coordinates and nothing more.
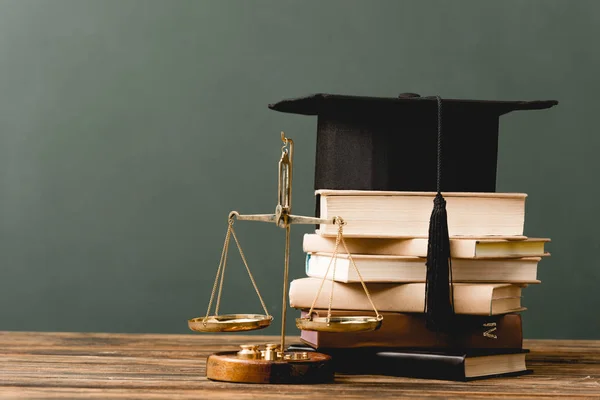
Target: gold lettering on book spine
(489, 333)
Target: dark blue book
(452, 365)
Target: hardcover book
(476, 248)
(406, 214)
(377, 268)
(451, 365)
(402, 330)
(473, 299)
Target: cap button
(408, 95)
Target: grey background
(129, 129)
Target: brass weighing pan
(230, 323)
(339, 324)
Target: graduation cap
(400, 144)
(375, 143)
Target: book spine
(427, 366)
(408, 216)
(409, 331)
(406, 298)
(411, 365)
(313, 243)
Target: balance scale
(271, 363)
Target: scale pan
(230, 323)
(339, 324)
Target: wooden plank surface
(115, 366)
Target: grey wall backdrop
(129, 129)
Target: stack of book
(386, 233)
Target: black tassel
(438, 291)
(439, 307)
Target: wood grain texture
(119, 366)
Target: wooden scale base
(229, 367)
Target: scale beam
(273, 218)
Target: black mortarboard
(374, 143)
(399, 144)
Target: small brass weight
(271, 363)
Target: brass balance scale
(272, 363)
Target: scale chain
(333, 257)
(337, 244)
(221, 273)
(262, 303)
(226, 249)
(362, 282)
(340, 239)
(223, 256)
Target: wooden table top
(116, 366)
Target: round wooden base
(227, 367)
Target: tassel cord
(439, 293)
